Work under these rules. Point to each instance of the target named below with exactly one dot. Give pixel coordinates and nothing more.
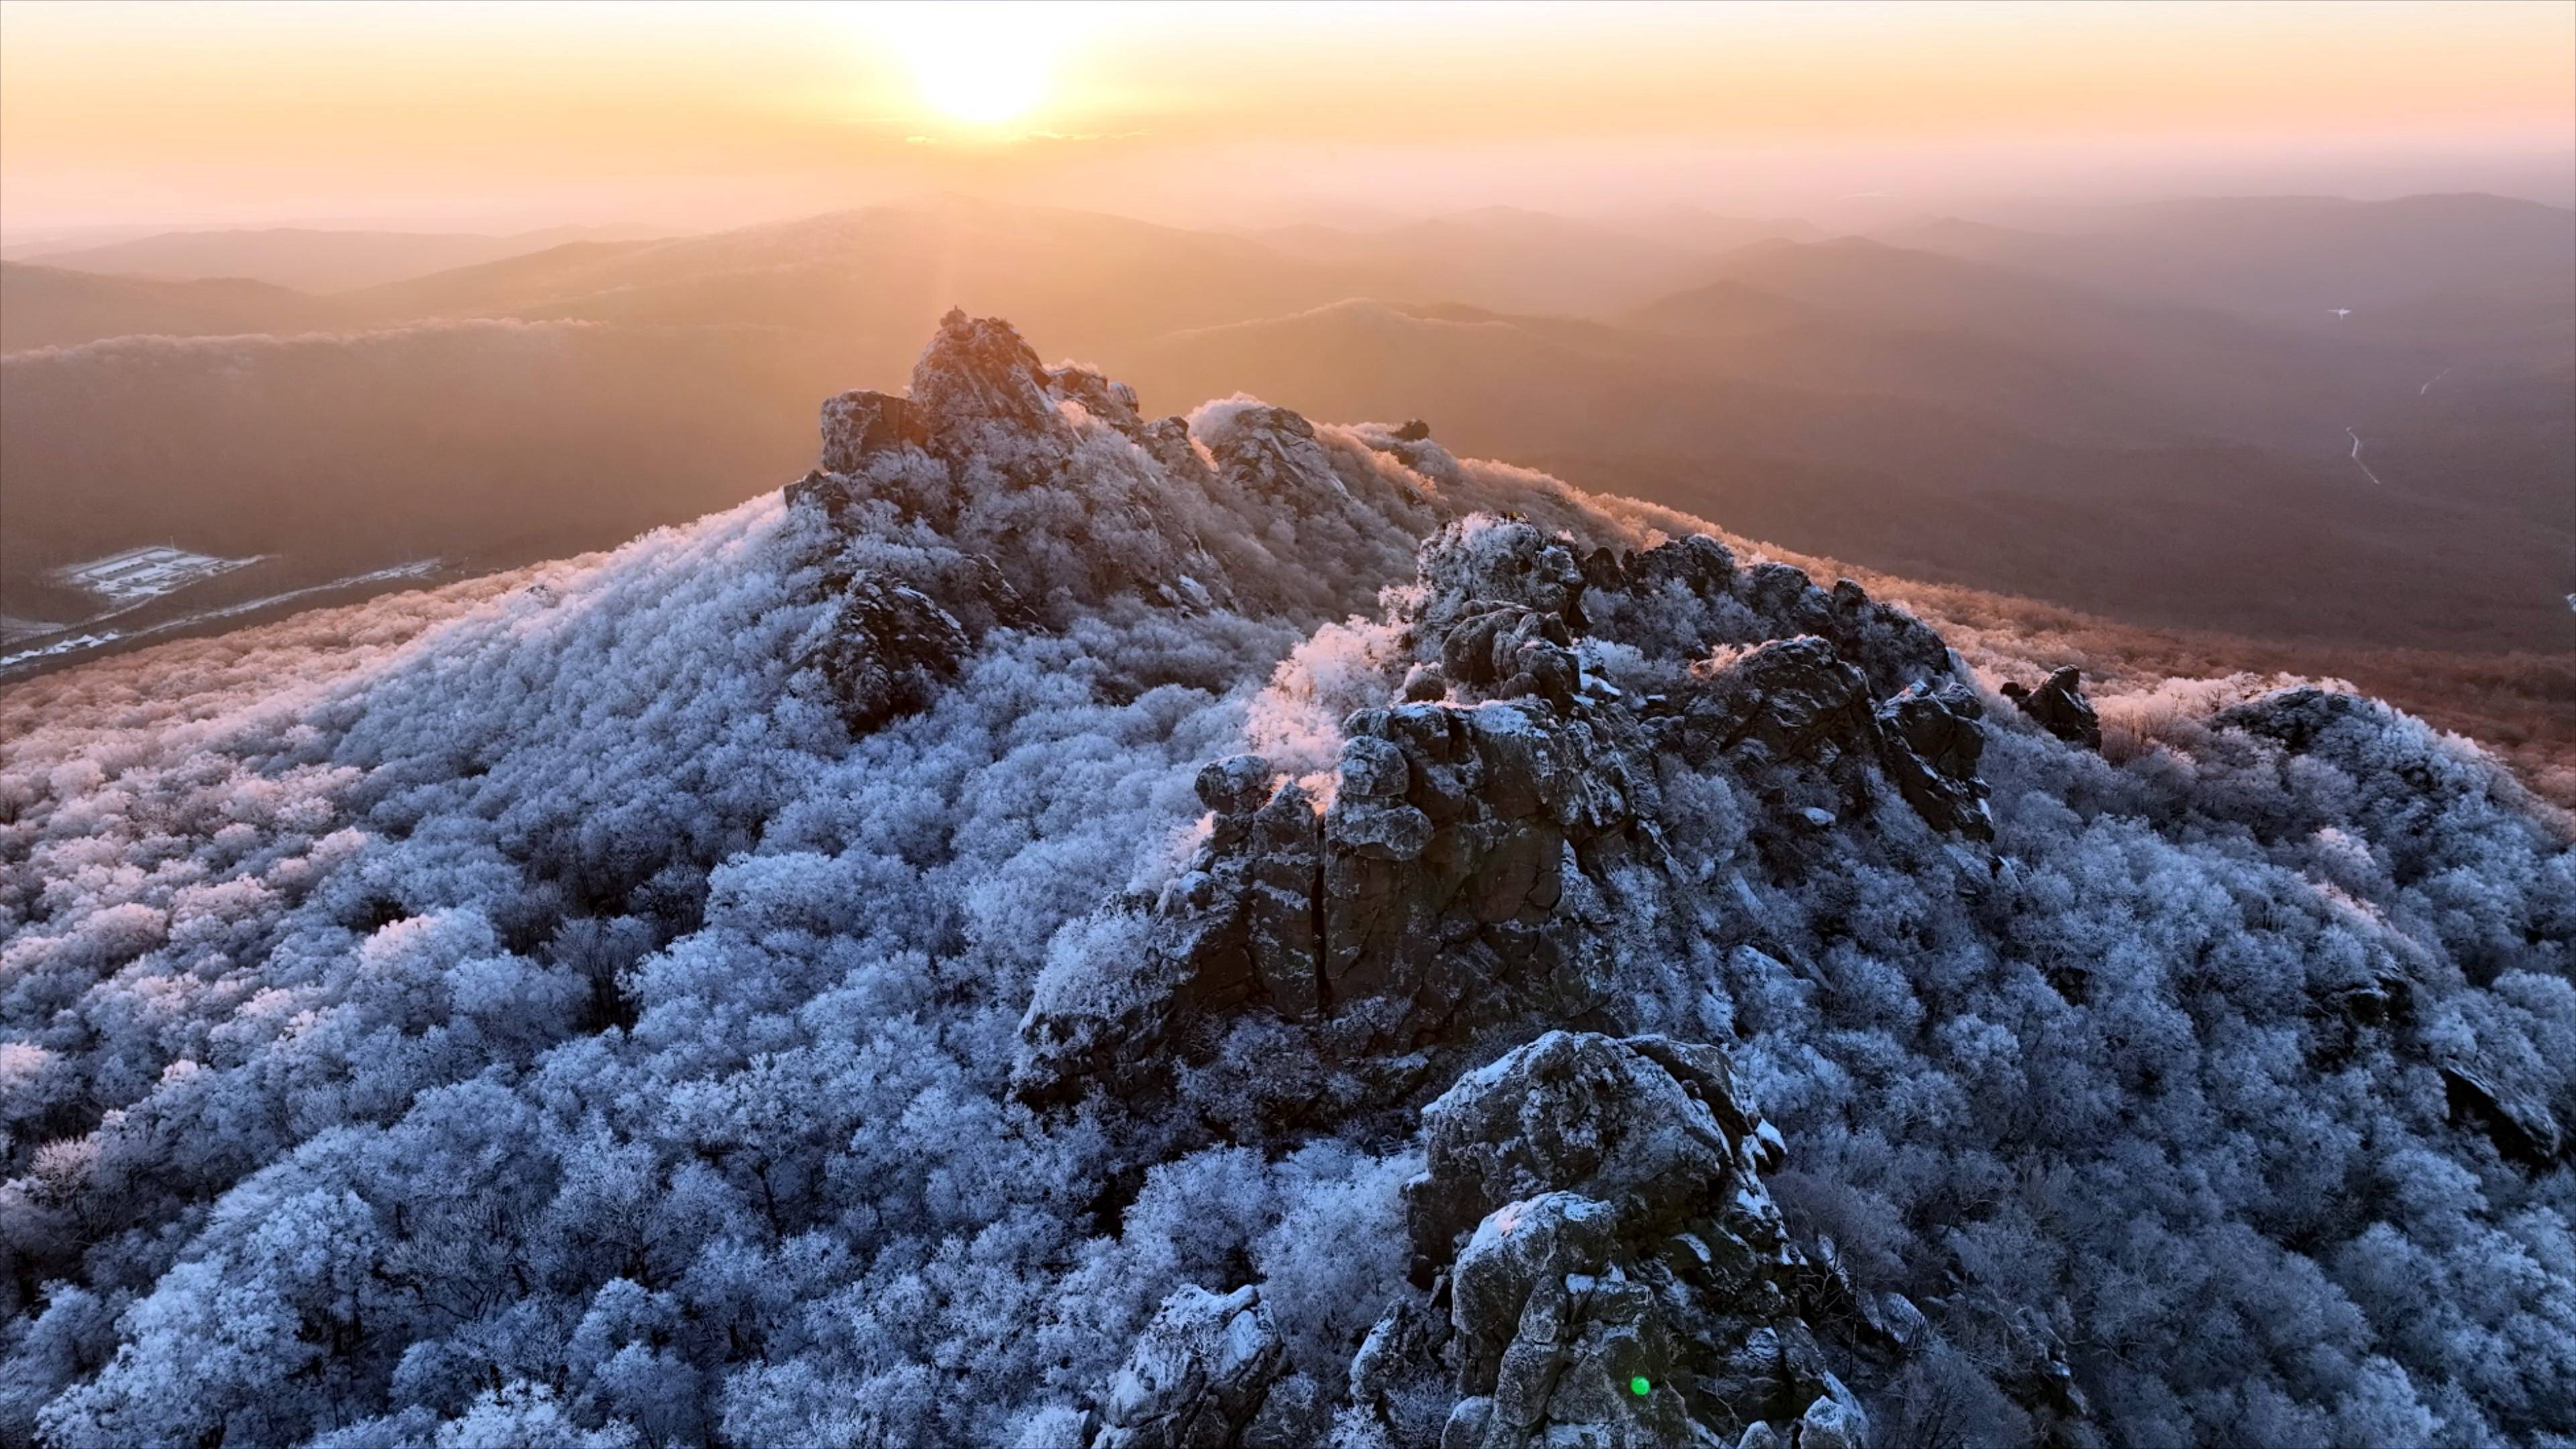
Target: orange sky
(666, 113)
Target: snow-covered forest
(1071, 929)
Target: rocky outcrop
(1930, 741)
(2059, 707)
(1601, 1264)
(1890, 647)
(978, 384)
(1461, 878)
(1508, 650)
(2296, 718)
(986, 447)
(890, 648)
(1198, 1377)
(1491, 839)
(1104, 398)
(1789, 701)
(1595, 1257)
(1268, 452)
(892, 643)
(858, 425)
(2525, 1132)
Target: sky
(486, 116)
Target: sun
(982, 64)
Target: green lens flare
(1640, 1387)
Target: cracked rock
(1197, 1377)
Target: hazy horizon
(485, 118)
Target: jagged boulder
(1511, 650)
(1593, 1220)
(977, 370)
(1930, 741)
(1467, 863)
(1451, 837)
(859, 425)
(1167, 441)
(1555, 1341)
(1787, 599)
(1479, 563)
(1197, 1377)
(1892, 647)
(1702, 566)
(1642, 1121)
(1790, 700)
(2525, 1132)
(1269, 452)
(890, 648)
(1104, 398)
(2059, 707)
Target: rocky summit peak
(1526, 774)
(1084, 930)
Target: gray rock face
(1931, 742)
(1699, 564)
(1783, 594)
(976, 370)
(1490, 835)
(1269, 452)
(1637, 1122)
(890, 649)
(859, 425)
(2303, 718)
(1510, 650)
(1450, 884)
(1471, 570)
(1107, 399)
(1612, 1267)
(2059, 707)
(1789, 700)
(2524, 1131)
(1197, 1377)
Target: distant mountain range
(2145, 411)
(308, 259)
(2296, 258)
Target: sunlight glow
(982, 64)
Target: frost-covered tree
(533, 1013)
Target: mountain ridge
(1078, 929)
